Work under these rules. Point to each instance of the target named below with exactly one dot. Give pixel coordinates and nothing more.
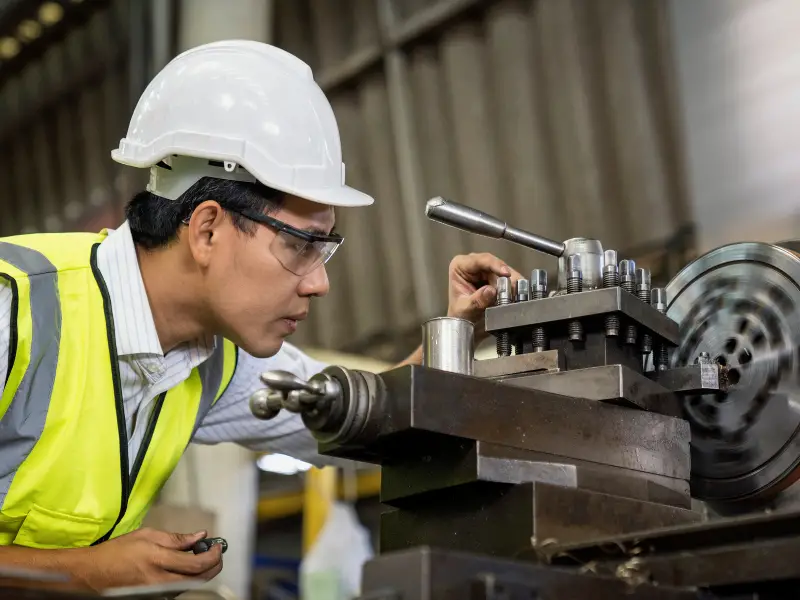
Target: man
(118, 349)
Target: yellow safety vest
(64, 467)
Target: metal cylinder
(523, 290)
(575, 285)
(503, 297)
(611, 279)
(658, 298)
(523, 295)
(447, 344)
(627, 281)
(591, 253)
(539, 291)
(643, 292)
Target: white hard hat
(239, 110)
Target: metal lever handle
(474, 221)
(285, 381)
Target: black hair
(154, 221)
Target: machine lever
(474, 221)
(284, 381)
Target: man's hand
(144, 557)
(473, 278)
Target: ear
(204, 231)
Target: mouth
(292, 321)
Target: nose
(315, 283)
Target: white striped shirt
(145, 372)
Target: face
(252, 299)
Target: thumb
(185, 541)
(483, 298)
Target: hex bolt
(627, 280)
(574, 285)
(643, 286)
(539, 291)
(611, 279)
(658, 298)
(523, 295)
(503, 297)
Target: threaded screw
(627, 280)
(574, 285)
(658, 298)
(523, 295)
(503, 297)
(611, 279)
(539, 291)
(643, 286)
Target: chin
(264, 349)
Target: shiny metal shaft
(474, 221)
(523, 295)
(658, 298)
(627, 280)
(503, 297)
(643, 286)
(539, 291)
(574, 285)
(611, 279)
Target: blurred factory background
(661, 127)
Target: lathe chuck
(741, 304)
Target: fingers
(175, 541)
(185, 563)
(211, 573)
(483, 267)
(480, 263)
(483, 298)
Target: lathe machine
(627, 441)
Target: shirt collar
(134, 326)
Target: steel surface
(549, 360)
(581, 305)
(433, 574)
(612, 383)
(440, 402)
(512, 520)
(702, 378)
(459, 462)
(682, 538)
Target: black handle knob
(205, 544)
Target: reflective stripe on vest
(64, 468)
(23, 407)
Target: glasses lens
(299, 256)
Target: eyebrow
(318, 231)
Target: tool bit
(627, 280)
(658, 298)
(474, 221)
(643, 292)
(503, 297)
(523, 295)
(539, 291)
(574, 285)
(611, 279)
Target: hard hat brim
(343, 196)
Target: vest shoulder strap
(59, 251)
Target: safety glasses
(300, 252)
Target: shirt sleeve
(230, 420)
(6, 301)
